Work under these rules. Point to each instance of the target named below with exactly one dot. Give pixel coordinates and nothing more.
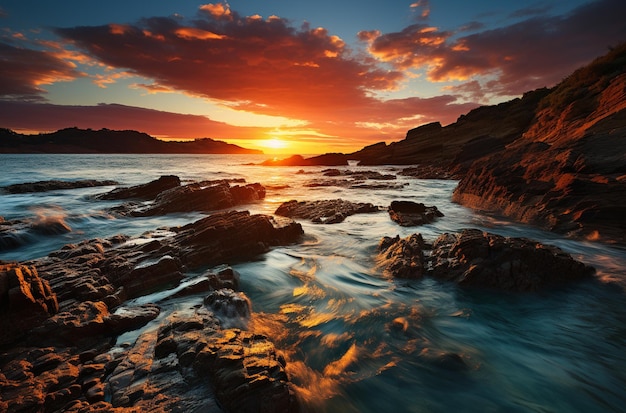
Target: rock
(324, 211)
(230, 236)
(190, 362)
(408, 213)
(232, 308)
(402, 258)
(150, 277)
(61, 362)
(428, 171)
(25, 300)
(473, 258)
(131, 318)
(479, 259)
(144, 191)
(202, 196)
(44, 186)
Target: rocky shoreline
(63, 314)
(554, 158)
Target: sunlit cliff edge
(554, 158)
(75, 140)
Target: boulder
(473, 258)
(480, 259)
(200, 196)
(324, 211)
(144, 191)
(402, 257)
(409, 213)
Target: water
(356, 341)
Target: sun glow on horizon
(274, 143)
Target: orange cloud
(23, 71)
(193, 33)
(264, 66)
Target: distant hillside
(74, 140)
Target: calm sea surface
(354, 340)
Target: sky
(285, 76)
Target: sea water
(354, 340)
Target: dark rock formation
(144, 191)
(567, 172)
(428, 171)
(74, 140)
(474, 258)
(62, 362)
(170, 197)
(409, 213)
(44, 186)
(324, 212)
(402, 257)
(25, 301)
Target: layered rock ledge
(167, 195)
(473, 258)
(331, 211)
(62, 314)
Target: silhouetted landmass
(75, 140)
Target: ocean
(354, 340)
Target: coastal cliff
(555, 157)
(567, 171)
(75, 140)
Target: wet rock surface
(44, 186)
(409, 213)
(146, 191)
(324, 211)
(474, 258)
(169, 196)
(25, 301)
(64, 313)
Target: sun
(274, 143)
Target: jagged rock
(44, 186)
(233, 308)
(567, 171)
(156, 372)
(408, 213)
(402, 258)
(150, 277)
(428, 171)
(230, 236)
(197, 197)
(89, 322)
(325, 211)
(144, 191)
(25, 300)
(474, 258)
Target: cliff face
(481, 131)
(567, 170)
(74, 140)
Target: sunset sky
(285, 76)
